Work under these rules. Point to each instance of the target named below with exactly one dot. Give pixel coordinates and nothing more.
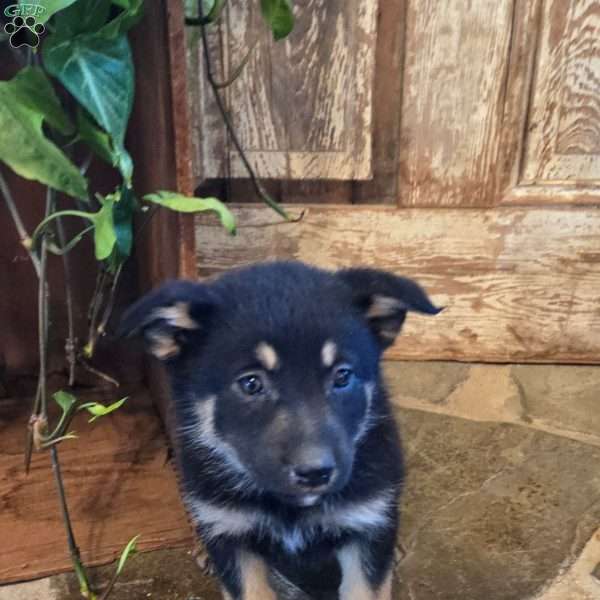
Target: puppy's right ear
(168, 317)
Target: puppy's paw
(204, 562)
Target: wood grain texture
(301, 107)
(563, 138)
(117, 482)
(160, 146)
(385, 140)
(551, 195)
(455, 67)
(387, 101)
(519, 284)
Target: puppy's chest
(296, 534)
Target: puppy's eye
(342, 377)
(250, 385)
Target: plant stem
(43, 225)
(84, 585)
(83, 362)
(43, 301)
(71, 342)
(214, 85)
(95, 307)
(110, 303)
(110, 586)
(21, 231)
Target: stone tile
(42, 589)
(559, 399)
(434, 380)
(578, 582)
(490, 510)
(558, 394)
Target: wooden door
(485, 179)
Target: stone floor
(502, 499)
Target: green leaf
(99, 73)
(279, 16)
(123, 212)
(124, 162)
(132, 13)
(97, 139)
(128, 551)
(23, 146)
(84, 16)
(98, 410)
(34, 90)
(186, 204)
(100, 143)
(212, 9)
(44, 10)
(64, 400)
(105, 236)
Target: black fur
(295, 309)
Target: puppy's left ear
(384, 299)
(169, 317)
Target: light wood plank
(549, 195)
(519, 284)
(301, 107)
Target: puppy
(286, 442)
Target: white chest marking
(363, 516)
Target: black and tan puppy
(288, 448)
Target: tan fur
(177, 315)
(385, 591)
(254, 574)
(328, 353)
(354, 582)
(163, 346)
(267, 356)
(383, 306)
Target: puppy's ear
(384, 299)
(169, 317)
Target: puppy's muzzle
(314, 470)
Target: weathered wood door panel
(563, 139)
(501, 103)
(451, 114)
(301, 107)
(497, 203)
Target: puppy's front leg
(254, 577)
(243, 574)
(366, 573)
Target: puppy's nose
(312, 476)
(314, 467)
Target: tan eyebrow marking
(267, 356)
(328, 353)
